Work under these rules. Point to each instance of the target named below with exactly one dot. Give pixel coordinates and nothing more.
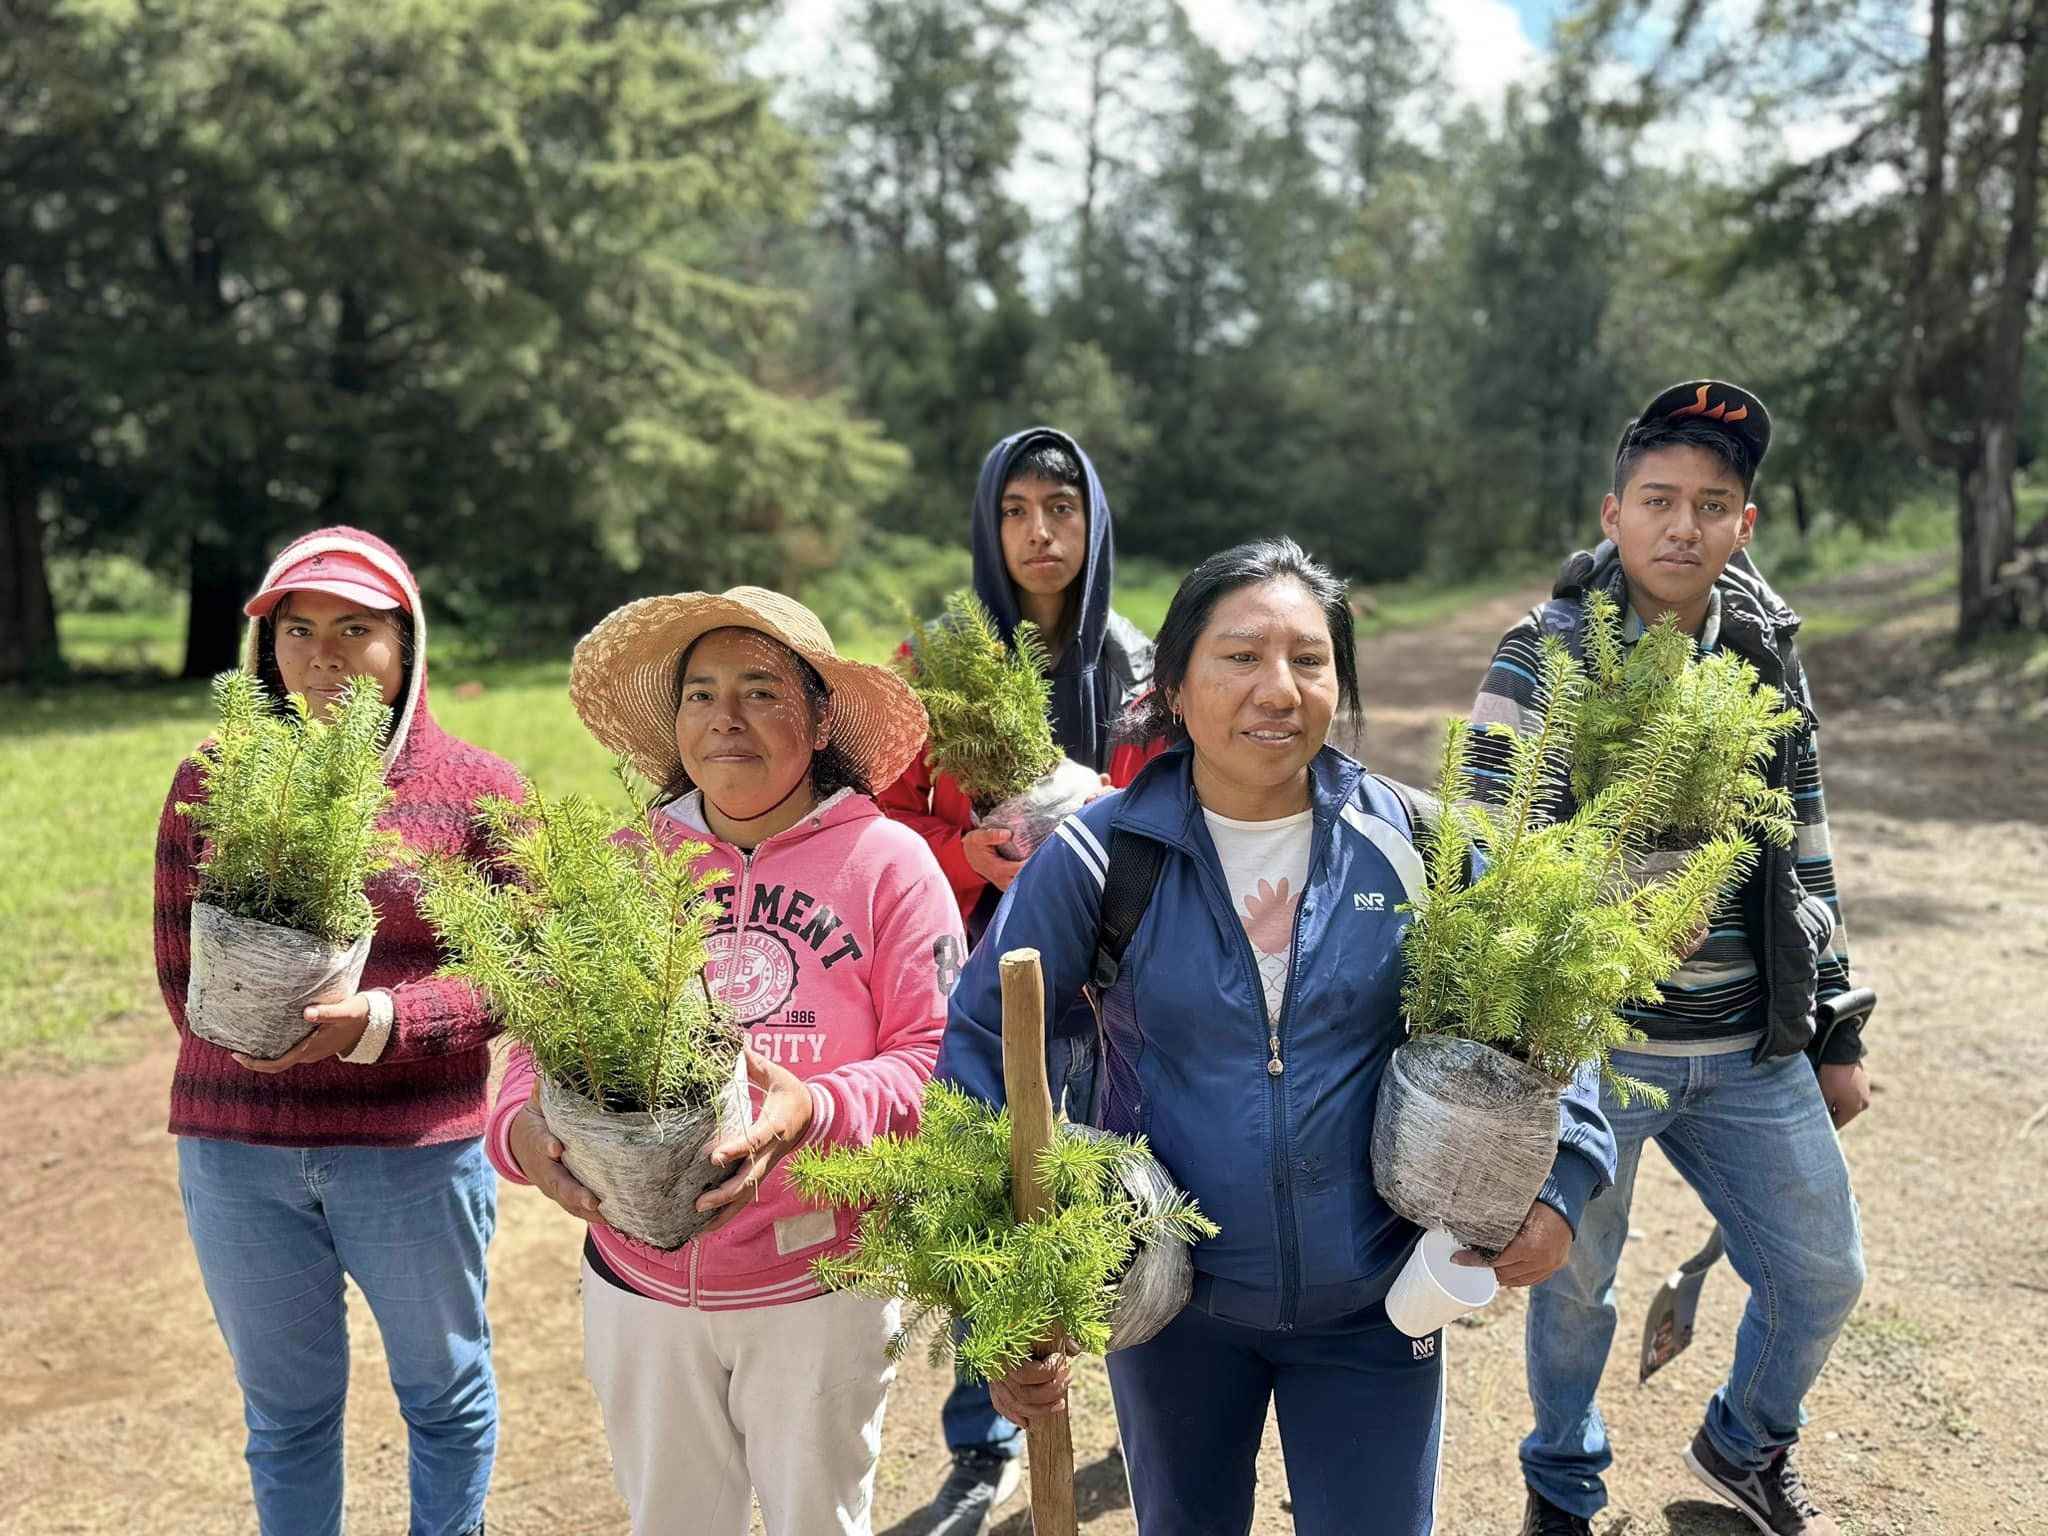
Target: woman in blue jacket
(1245, 1037)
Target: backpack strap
(1134, 865)
(1425, 815)
(1424, 809)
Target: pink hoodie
(839, 945)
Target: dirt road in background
(118, 1411)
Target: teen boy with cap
(1750, 1123)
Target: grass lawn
(83, 774)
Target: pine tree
(986, 702)
(1540, 949)
(591, 947)
(291, 808)
(941, 1232)
(1711, 715)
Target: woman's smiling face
(745, 727)
(1261, 686)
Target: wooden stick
(1032, 1129)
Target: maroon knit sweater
(429, 1085)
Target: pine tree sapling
(990, 732)
(1711, 714)
(986, 701)
(281, 918)
(1531, 950)
(1106, 1269)
(591, 948)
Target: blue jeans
(276, 1229)
(970, 1420)
(1756, 1143)
(1361, 1424)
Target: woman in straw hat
(356, 1153)
(724, 1370)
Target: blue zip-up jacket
(1280, 1162)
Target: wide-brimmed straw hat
(623, 680)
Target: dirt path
(118, 1411)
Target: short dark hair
(1650, 436)
(1045, 460)
(831, 768)
(1246, 565)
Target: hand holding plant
(337, 1030)
(778, 1129)
(538, 1152)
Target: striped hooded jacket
(1791, 916)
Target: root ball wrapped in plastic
(647, 1170)
(1030, 817)
(1161, 1275)
(252, 981)
(1464, 1138)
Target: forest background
(582, 299)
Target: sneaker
(978, 1485)
(1775, 1499)
(1543, 1518)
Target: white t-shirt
(1265, 865)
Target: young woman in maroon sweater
(357, 1153)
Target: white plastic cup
(1431, 1290)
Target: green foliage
(484, 278)
(941, 1232)
(986, 701)
(291, 807)
(1538, 952)
(863, 597)
(591, 948)
(1708, 716)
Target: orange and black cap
(1710, 403)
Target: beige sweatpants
(704, 1409)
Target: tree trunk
(223, 576)
(1985, 508)
(28, 618)
(1990, 512)
(1802, 514)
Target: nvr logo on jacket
(1368, 901)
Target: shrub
(591, 948)
(986, 702)
(942, 1233)
(1710, 716)
(1537, 951)
(291, 808)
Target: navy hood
(1086, 694)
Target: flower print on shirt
(1269, 924)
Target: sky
(1489, 44)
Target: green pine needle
(986, 701)
(591, 948)
(941, 1232)
(291, 809)
(1710, 714)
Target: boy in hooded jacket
(1043, 551)
(1756, 1097)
